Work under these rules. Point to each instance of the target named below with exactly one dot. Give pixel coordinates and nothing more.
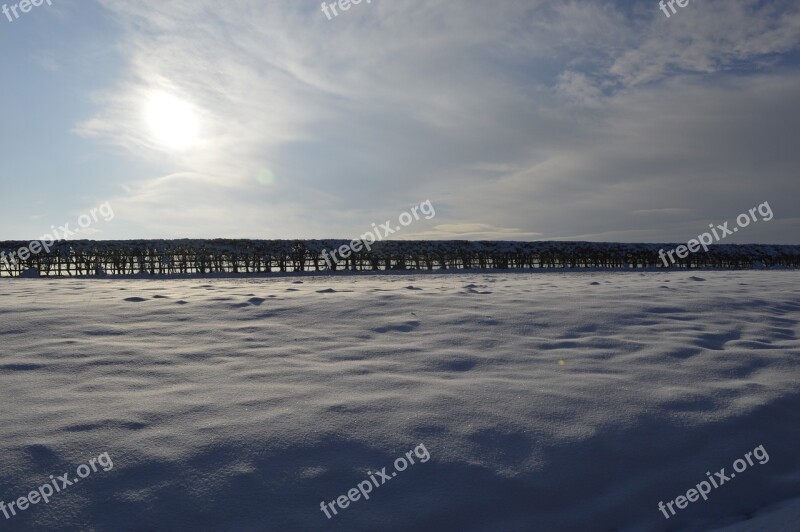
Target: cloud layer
(517, 119)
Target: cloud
(473, 231)
(549, 118)
(708, 37)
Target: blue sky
(519, 120)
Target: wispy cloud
(551, 118)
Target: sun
(173, 122)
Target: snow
(547, 401)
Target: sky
(516, 119)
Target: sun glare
(173, 122)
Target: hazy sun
(173, 122)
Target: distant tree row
(176, 257)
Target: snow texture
(547, 401)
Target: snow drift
(546, 401)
